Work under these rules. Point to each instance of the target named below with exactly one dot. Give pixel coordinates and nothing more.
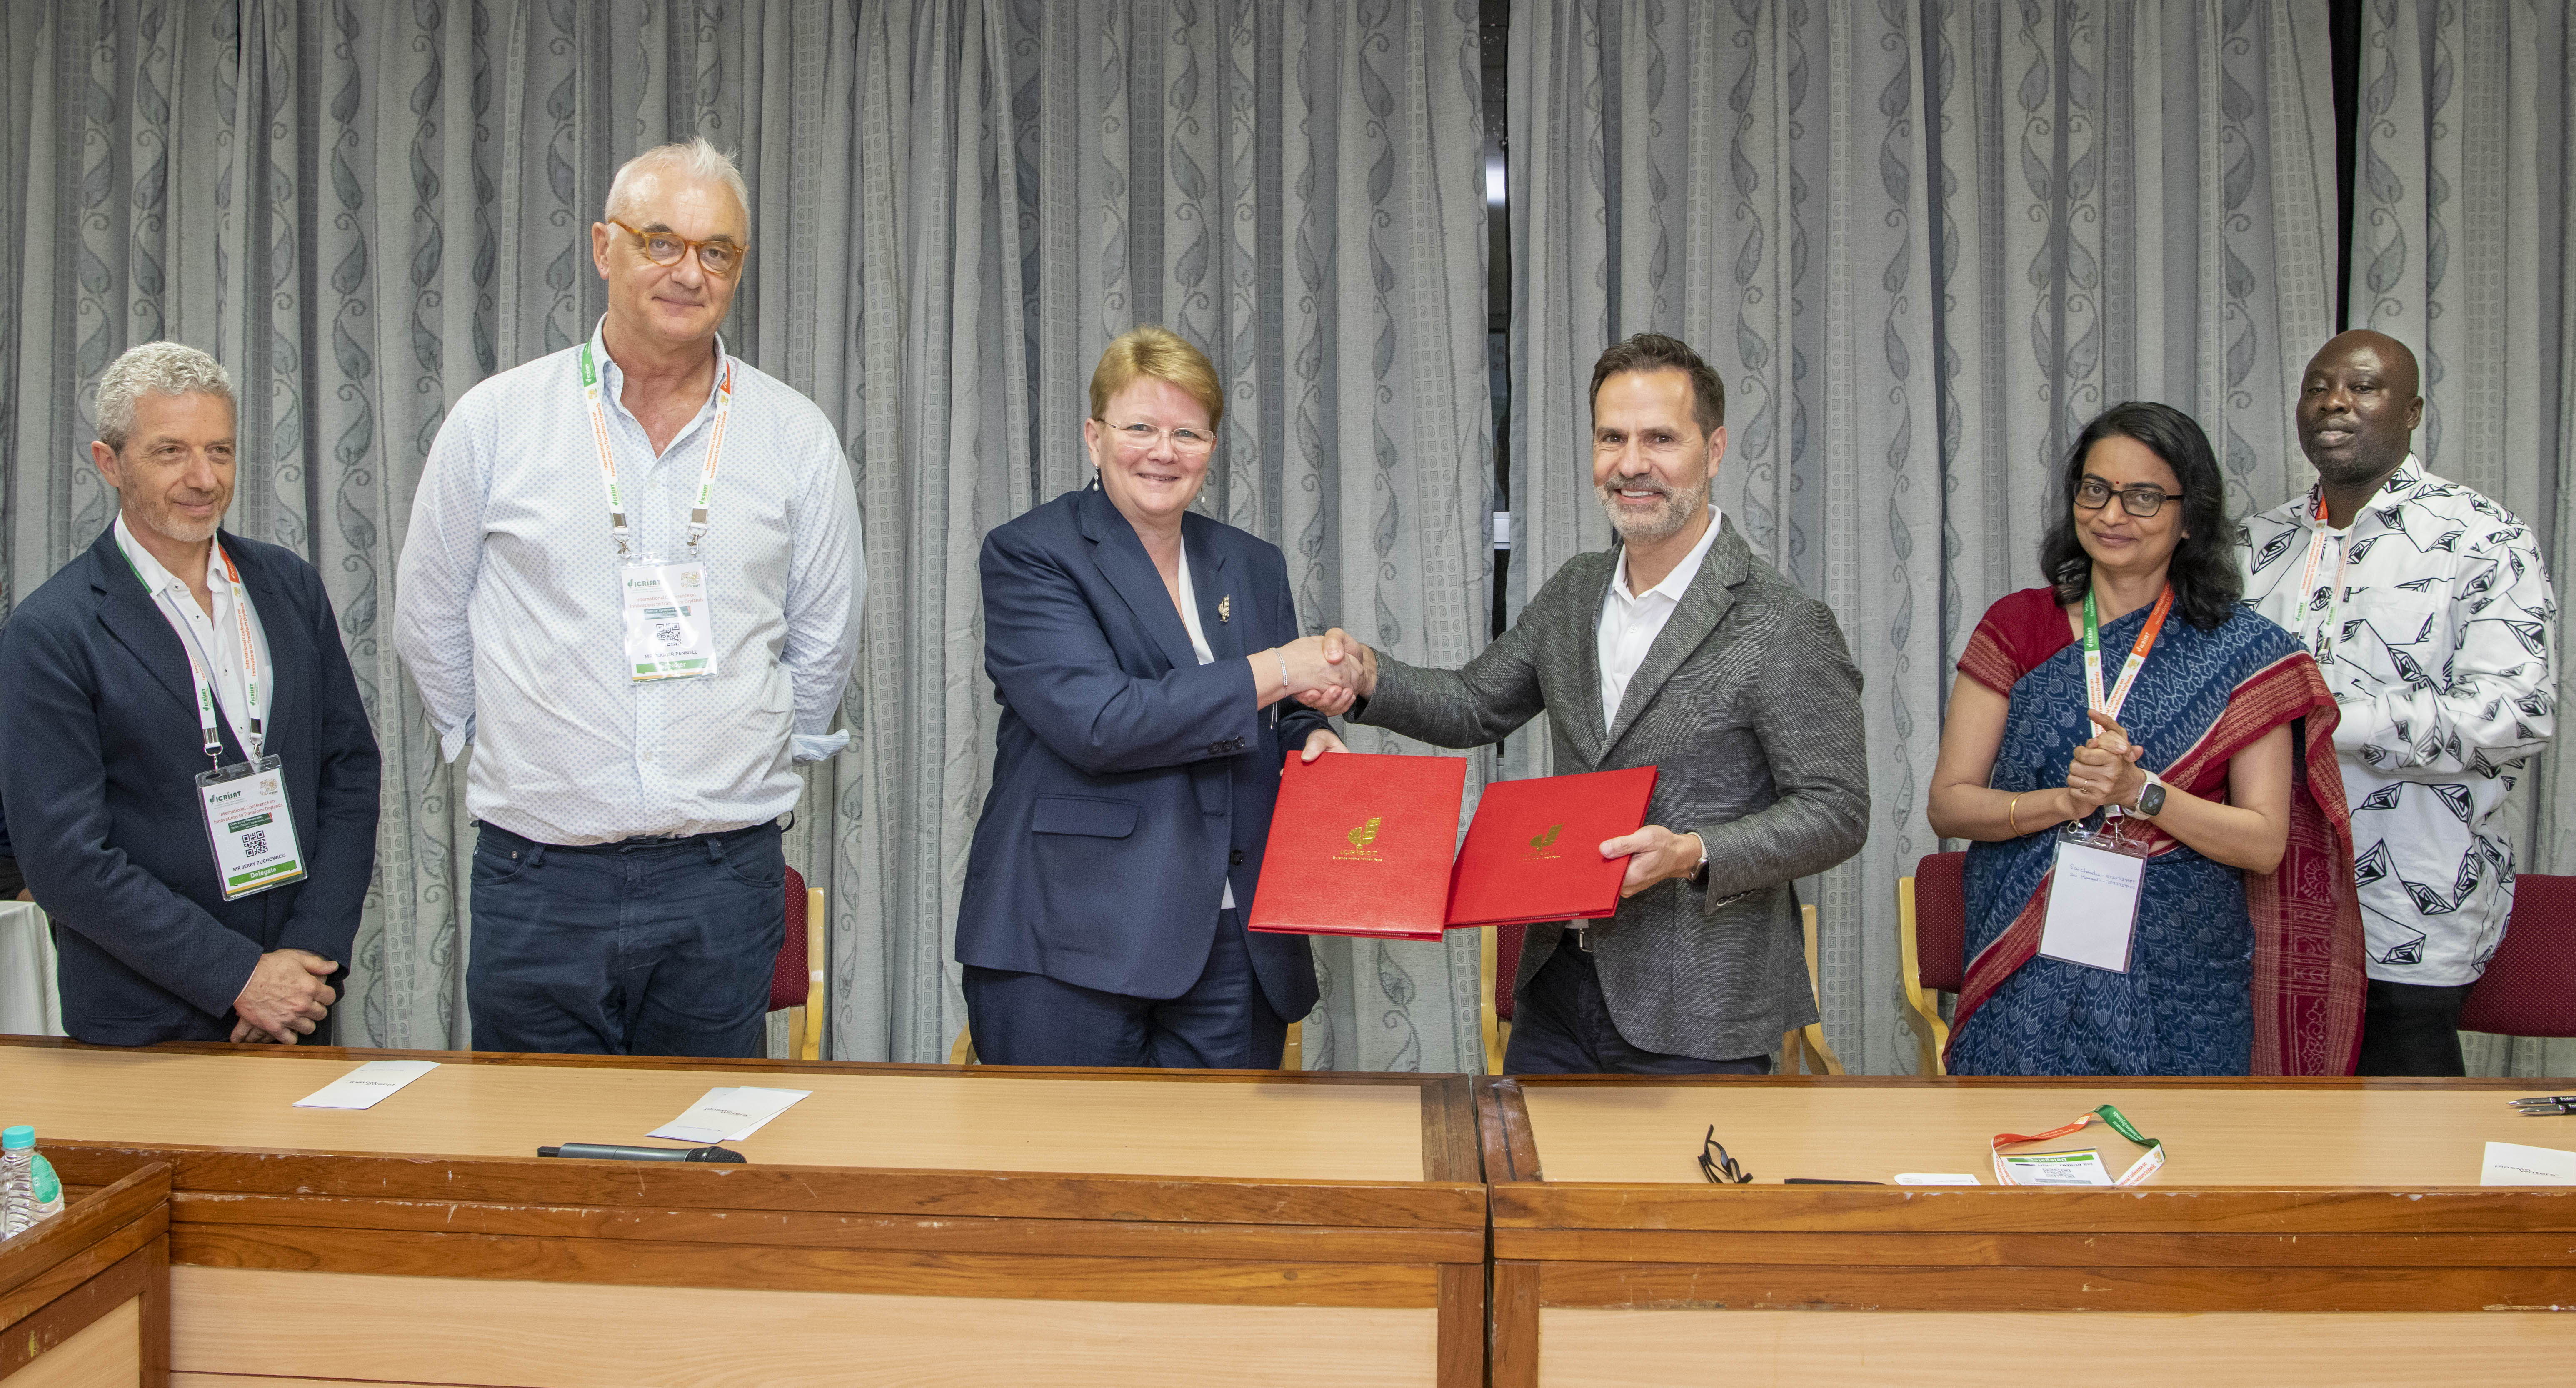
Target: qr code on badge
(255, 843)
(670, 634)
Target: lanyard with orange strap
(2146, 1165)
(2308, 596)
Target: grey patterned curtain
(1922, 243)
(365, 209)
(2463, 228)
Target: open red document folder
(1360, 845)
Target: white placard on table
(729, 1114)
(368, 1085)
(1937, 1178)
(2512, 1164)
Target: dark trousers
(648, 947)
(2411, 1029)
(1222, 1023)
(1561, 1026)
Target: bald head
(2358, 408)
(2393, 356)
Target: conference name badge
(251, 826)
(2093, 899)
(667, 633)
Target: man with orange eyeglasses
(633, 582)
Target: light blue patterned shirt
(508, 606)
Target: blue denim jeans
(650, 947)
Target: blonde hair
(1156, 351)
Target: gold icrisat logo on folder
(1544, 845)
(1359, 838)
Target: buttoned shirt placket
(654, 520)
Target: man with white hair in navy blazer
(191, 778)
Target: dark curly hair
(2204, 575)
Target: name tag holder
(667, 633)
(2075, 1168)
(2093, 893)
(251, 827)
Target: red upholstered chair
(1932, 929)
(2529, 988)
(797, 982)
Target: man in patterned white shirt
(633, 580)
(2433, 621)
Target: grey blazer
(1750, 704)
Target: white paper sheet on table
(730, 1114)
(2512, 1164)
(368, 1085)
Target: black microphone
(611, 1151)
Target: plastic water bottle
(29, 1190)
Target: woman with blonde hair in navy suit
(1147, 660)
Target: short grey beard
(1681, 505)
(164, 525)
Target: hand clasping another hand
(2103, 771)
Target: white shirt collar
(612, 377)
(1679, 580)
(156, 578)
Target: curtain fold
(363, 210)
(2464, 221)
(1922, 243)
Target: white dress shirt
(2441, 651)
(508, 605)
(218, 637)
(1198, 643)
(1630, 622)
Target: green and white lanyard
(199, 662)
(617, 526)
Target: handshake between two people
(1328, 673)
(1331, 673)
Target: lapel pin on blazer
(1225, 608)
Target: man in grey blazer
(1674, 648)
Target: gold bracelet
(2012, 813)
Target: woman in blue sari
(2205, 740)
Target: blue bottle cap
(18, 1138)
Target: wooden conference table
(905, 1224)
(85, 1295)
(2319, 1231)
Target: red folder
(1534, 852)
(1360, 845)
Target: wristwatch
(1699, 875)
(2151, 800)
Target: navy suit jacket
(99, 774)
(1130, 782)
